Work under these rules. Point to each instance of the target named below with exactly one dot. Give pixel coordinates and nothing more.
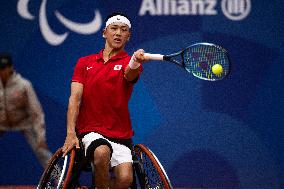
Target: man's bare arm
(132, 73)
(72, 114)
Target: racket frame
(170, 58)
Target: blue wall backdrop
(226, 134)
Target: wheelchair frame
(64, 172)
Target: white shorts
(120, 154)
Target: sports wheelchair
(64, 172)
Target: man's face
(5, 73)
(117, 34)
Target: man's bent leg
(101, 162)
(123, 176)
(36, 139)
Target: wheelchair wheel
(58, 171)
(152, 170)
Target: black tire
(56, 175)
(152, 173)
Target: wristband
(133, 64)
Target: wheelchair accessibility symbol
(49, 35)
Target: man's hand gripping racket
(205, 61)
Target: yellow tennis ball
(217, 69)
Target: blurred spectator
(20, 109)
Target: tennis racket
(205, 61)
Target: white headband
(118, 18)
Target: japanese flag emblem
(117, 67)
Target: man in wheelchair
(98, 112)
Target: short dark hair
(5, 60)
(117, 13)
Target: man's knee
(124, 175)
(99, 151)
(124, 180)
(102, 154)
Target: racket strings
(200, 59)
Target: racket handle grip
(154, 56)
